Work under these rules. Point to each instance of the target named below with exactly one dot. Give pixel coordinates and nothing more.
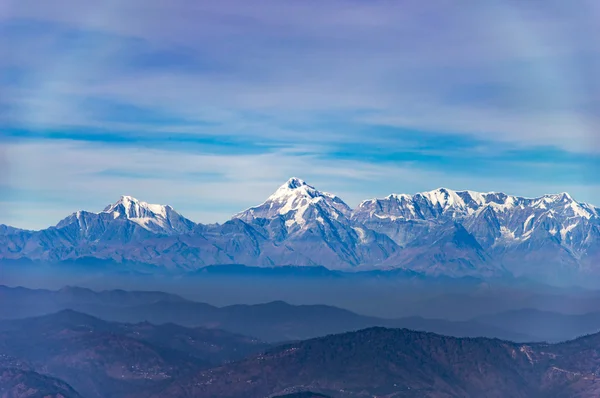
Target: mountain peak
(566, 196)
(294, 183)
(444, 198)
(125, 198)
(153, 217)
(130, 207)
(295, 187)
(295, 196)
(162, 219)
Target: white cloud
(522, 71)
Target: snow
(444, 198)
(147, 215)
(565, 230)
(527, 235)
(510, 202)
(528, 223)
(517, 215)
(298, 216)
(366, 202)
(158, 209)
(388, 217)
(462, 204)
(298, 197)
(506, 233)
(396, 202)
(478, 197)
(362, 235)
(579, 210)
(398, 196)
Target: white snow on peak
(518, 217)
(471, 201)
(296, 196)
(130, 207)
(564, 231)
(152, 217)
(362, 235)
(444, 198)
(528, 222)
(399, 196)
(478, 197)
(295, 187)
(580, 210)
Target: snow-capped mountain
(444, 202)
(158, 219)
(295, 201)
(442, 232)
(512, 217)
(515, 232)
(155, 218)
(318, 225)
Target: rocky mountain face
(128, 216)
(442, 232)
(319, 226)
(521, 235)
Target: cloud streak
(217, 100)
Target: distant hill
(273, 322)
(402, 363)
(70, 351)
(102, 359)
(546, 325)
(18, 383)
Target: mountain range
(443, 232)
(126, 345)
(277, 321)
(271, 322)
(69, 353)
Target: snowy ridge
(317, 225)
(495, 219)
(148, 216)
(465, 203)
(437, 232)
(130, 207)
(151, 217)
(294, 199)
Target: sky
(209, 106)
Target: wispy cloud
(219, 102)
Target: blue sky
(209, 106)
